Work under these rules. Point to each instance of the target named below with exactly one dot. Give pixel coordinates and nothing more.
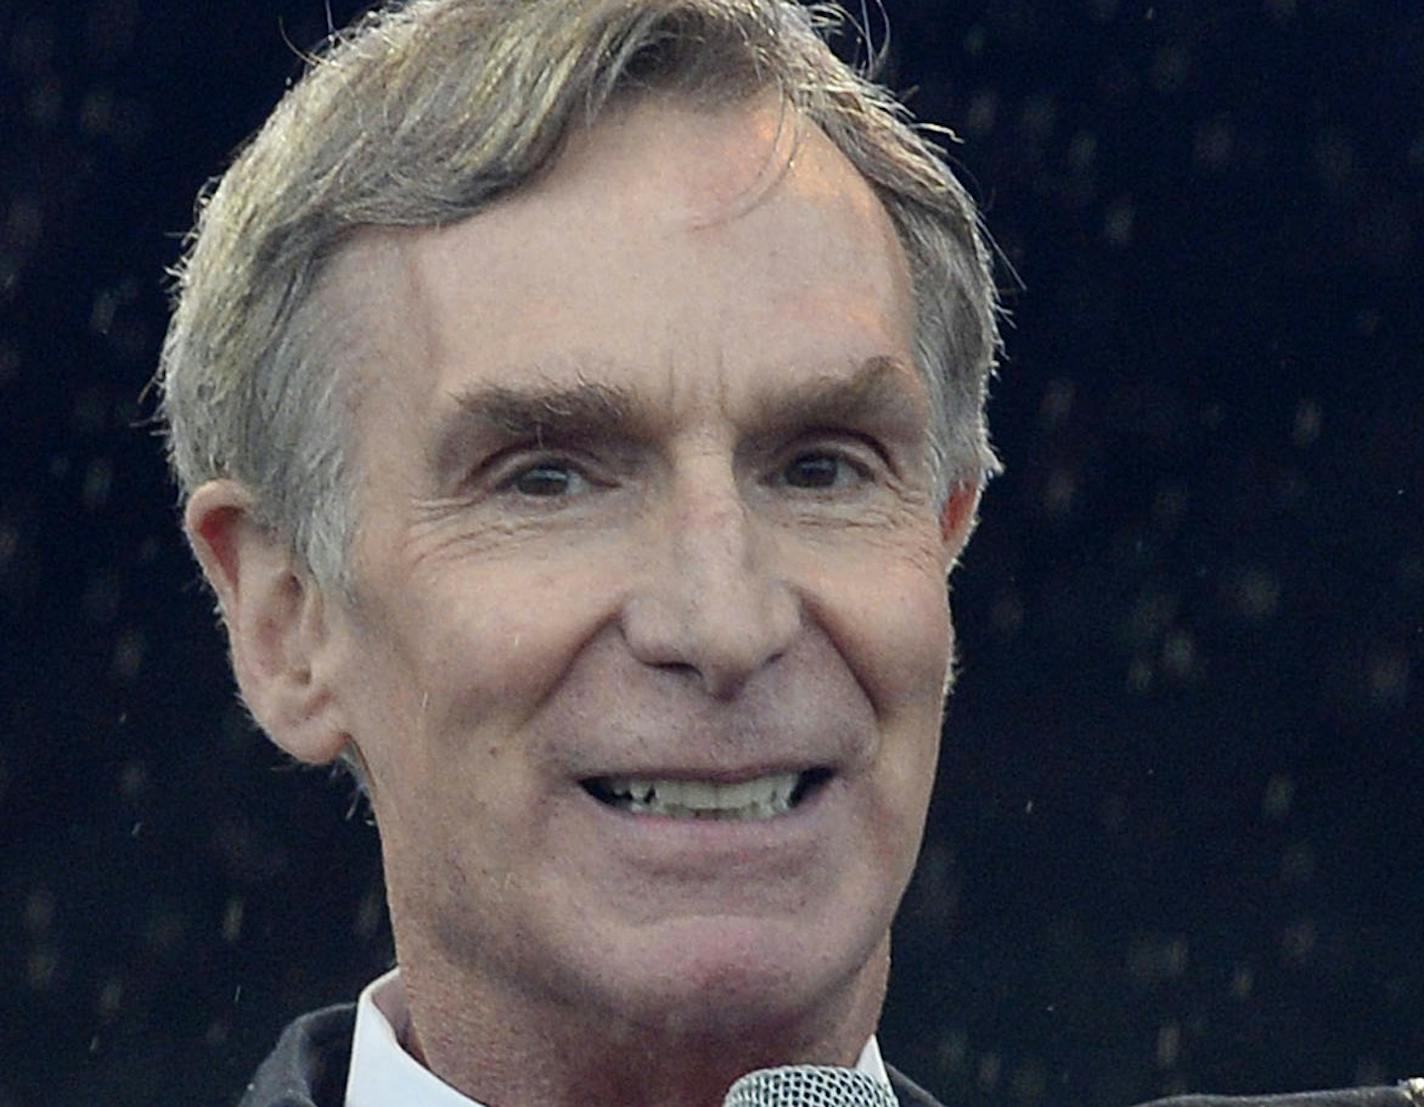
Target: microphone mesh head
(809, 1086)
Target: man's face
(651, 635)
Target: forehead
(668, 249)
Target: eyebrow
(882, 389)
(578, 411)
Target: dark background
(1177, 841)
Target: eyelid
(850, 444)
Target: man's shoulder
(307, 1068)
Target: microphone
(809, 1086)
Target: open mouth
(764, 797)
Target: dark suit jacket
(308, 1069)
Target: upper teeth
(753, 799)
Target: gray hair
(421, 115)
(425, 113)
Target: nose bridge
(712, 599)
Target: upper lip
(709, 774)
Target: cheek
(891, 623)
(474, 656)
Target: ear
(958, 518)
(282, 650)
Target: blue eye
(546, 480)
(815, 471)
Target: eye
(821, 469)
(547, 479)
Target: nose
(708, 600)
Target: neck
(505, 1056)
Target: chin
(721, 977)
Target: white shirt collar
(383, 1073)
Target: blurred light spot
(990, 1067)
(1117, 226)
(128, 655)
(1168, 506)
(45, 104)
(1028, 1083)
(953, 1051)
(1292, 488)
(1169, 1045)
(9, 546)
(90, 411)
(1156, 958)
(1410, 574)
(98, 483)
(369, 913)
(96, 114)
(232, 920)
(24, 222)
(1298, 941)
(1280, 795)
(1179, 656)
(101, 598)
(983, 111)
(1151, 615)
(111, 995)
(1243, 980)
(1102, 10)
(1082, 151)
(1252, 591)
(164, 930)
(1139, 676)
(1307, 424)
(1281, 9)
(133, 780)
(974, 40)
(101, 319)
(1367, 322)
(1416, 152)
(1169, 68)
(1335, 159)
(1059, 492)
(217, 1033)
(1298, 864)
(1057, 404)
(1039, 114)
(1389, 678)
(40, 968)
(1113, 813)
(1214, 144)
(1007, 616)
(39, 910)
(11, 266)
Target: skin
(643, 493)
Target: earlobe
(959, 516)
(282, 651)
